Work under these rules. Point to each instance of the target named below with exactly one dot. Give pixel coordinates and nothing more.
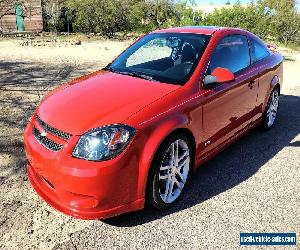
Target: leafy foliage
(106, 17)
(52, 14)
(283, 19)
(270, 19)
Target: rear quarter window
(260, 51)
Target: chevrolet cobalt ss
(131, 134)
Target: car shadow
(232, 166)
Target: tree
(283, 18)
(109, 17)
(106, 17)
(234, 16)
(52, 12)
(159, 12)
(269, 19)
(185, 15)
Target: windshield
(163, 57)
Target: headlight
(103, 143)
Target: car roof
(205, 30)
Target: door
(20, 18)
(260, 58)
(229, 107)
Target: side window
(259, 51)
(232, 53)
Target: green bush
(276, 20)
(273, 20)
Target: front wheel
(270, 114)
(169, 172)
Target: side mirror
(219, 75)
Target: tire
(270, 114)
(168, 174)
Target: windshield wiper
(128, 73)
(135, 74)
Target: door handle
(251, 84)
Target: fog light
(85, 202)
(77, 200)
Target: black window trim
(253, 57)
(250, 60)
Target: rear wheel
(169, 172)
(270, 114)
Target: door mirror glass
(219, 75)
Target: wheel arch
(275, 83)
(264, 122)
(159, 135)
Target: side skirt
(226, 143)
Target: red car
(131, 134)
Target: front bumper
(52, 198)
(80, 188)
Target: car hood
(98, 99)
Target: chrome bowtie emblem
(43, 133)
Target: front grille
(53, 131)
(46, 141)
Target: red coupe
(131, 134)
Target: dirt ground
(252, 186)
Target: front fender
(155, 135)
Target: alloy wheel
(272, 108)
(174, 170)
